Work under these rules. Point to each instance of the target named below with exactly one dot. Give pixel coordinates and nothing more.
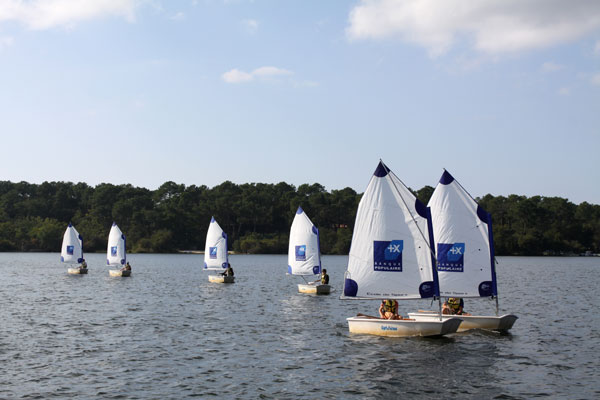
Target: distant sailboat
(115, 253)
(462, 231)
(390, 257)
(72, 250)
(215, 253)
(304, 253)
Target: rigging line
(411, 215)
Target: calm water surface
(167, 333)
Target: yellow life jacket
(390, 306)
(454, 304)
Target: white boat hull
(221, 279)
(77, 271)
(488, 322)
(118, 272)
(314, 289)
(401, 328)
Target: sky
(504, 94)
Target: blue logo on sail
(301, 253)
(387, 255)
(113, 251)
(213, 252)
(451, 257)
(70, 250)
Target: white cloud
(596, 79)
(564, 91)
(178, 16)
(46, 14)
(251, 25)
(492, 26)
(551, 67)
(270, 71)
(238, 76)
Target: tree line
(257, 217)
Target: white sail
(215, 251)
(115, 252)
(464, 249)
(390, 255)
(304, 254)
(72, 246)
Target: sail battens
(304, 255)
(390, 255)
(215, 251)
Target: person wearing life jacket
(83, 265)
(228, 271)
(454, 306)
(324, 277)
(389, 309)
(127, 267)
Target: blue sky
(504, 94)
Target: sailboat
(304, 253)
(390, 258)
(72, 250)
(115, 253)
(215, 253)
(465, 253)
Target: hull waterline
(77, 271)
(314, 289)
(221, 279)
(118, 272)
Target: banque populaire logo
(213, 252)
(301, 253)
(70, 250)
(387, 255)
(113, 251)
(451, 257)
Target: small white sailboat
(390, 258)
(72, 250)
(462, 231)
(115, 253)
(215, 253)
(304, 253)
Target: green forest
(256, 217)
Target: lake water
(167, 333)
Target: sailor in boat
(127, 267)
(324, 277)
(389, 309)
(454, 306)
(83, 264)
(228, 271)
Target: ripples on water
(167, 333)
